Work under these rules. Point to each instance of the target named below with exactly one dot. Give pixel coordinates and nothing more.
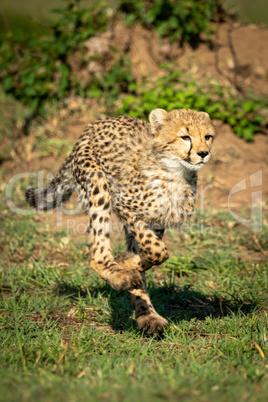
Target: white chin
(175, 163)
(192, 167)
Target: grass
(66, 335)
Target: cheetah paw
(124, 279)
(152, 323)
(118, 277)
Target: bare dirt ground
(236, 54)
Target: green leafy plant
(39, 70)
(174, 91)
(118, 79)
(178, 20)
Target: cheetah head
(182, 138)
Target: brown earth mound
(237, 55)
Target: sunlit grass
(66, 334)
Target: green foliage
(48, 69)
(118, 79)
(174, 91)
(39, 70)
(177, 20)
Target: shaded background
(32, 16)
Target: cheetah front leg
(149, 245)
(146, 316)
(99, 209)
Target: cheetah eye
(186, 138)
(208, 137)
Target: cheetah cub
(146, 174)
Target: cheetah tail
(56, 192)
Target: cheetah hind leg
(97, 198)
(123, 272)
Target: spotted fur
(146, 174)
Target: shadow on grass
(170, 301)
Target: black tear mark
(189, 152)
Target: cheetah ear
(157, 118)
(205, 115)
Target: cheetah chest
(161, 202)
(171, 203)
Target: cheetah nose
(203, 154)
